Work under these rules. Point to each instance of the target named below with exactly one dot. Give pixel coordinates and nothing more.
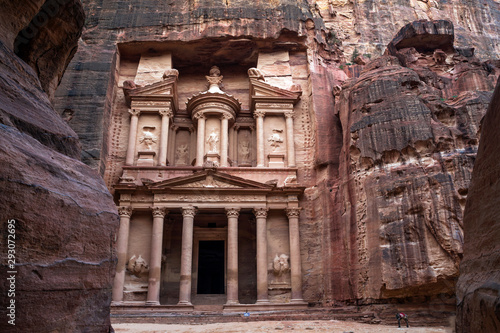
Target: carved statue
(212, 141)
(245, 150)
(290, 180)
(275, 139)
(256, 74)
(182, 154)
(281, 265)
(148, 138)
(137, 266)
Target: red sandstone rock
(478, 289)
(65, 218)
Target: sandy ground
(317, 326)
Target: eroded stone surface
(65, 219)
(478, 290)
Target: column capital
(226, 116)
(289, 113)
(260, 212)
(159, 211)
(134, 112)
(188, 211)
(199, 115)
(232, 212)
(293, 212)
(125, 211)
(259, 113)
(166, 112)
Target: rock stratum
(63, 215)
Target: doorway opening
(211, 267)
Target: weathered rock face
(410, 137)
(478, 289)
(368, 26)
(65, 219)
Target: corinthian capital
(166, 113)
(125, 211)
(134, 112)
(233, 212)
(289, 114)
(188, 211)
(260, 212)
(292, 212)
(159, 211)
(259, 113)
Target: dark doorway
(211, 267)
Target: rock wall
(388, 159)
(410, 123)
(51, 202)
(478, 288)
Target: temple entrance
(211, 267)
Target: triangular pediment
(262, 89)
(207, 180)
(165, 87)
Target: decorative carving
(281, 265)
(226, 116)
(292, 212)
(134, 112)
(189, 198)
(208, 182)
(260, 212)
(212, 141)
(137, 266)
(210, 164)
(233, 212)
(275, 139)
(214, 79)
(159, 211)
(166, 112)
(129, 85)
(289, 114)
(259, 113)
(255, 73)
(199, 115)
(170, 73)
(125, 211)
(290, 180)
(274, 106)
(182, 153)
(127, 180)
(148, 138)
(188, 211)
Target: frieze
(273, 105)
(207, 198)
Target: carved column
(155, 261)
(295, 265)
(132, 136)
(224, 139)
(166, 114)
(261, 217)
(200, 143)
(259, 116)
(290, 138)
(232, 255)
(121, 251)
(186, 255)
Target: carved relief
(281, 265)
(137, 266)
(214, 79)
(148, 139)
(290, 180)
(170, 73)
(275, 139)
(182, 155)
(208, 182)
(212, 141)
(255, 73)
(245, 150)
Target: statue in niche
(182, 154)
(148, 138)
(245, 150)
(275, 139)
(212, 141)
(280, 265)
(137, 266)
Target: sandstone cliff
(387, 162)
(63, 266)
(478, 289)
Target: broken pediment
(263, 92)
(209, 179)
(156, 93)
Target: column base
(116, 303)
(298, 301)
(152, 303)
(232, 303)
(262, 301)
(185, 303)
